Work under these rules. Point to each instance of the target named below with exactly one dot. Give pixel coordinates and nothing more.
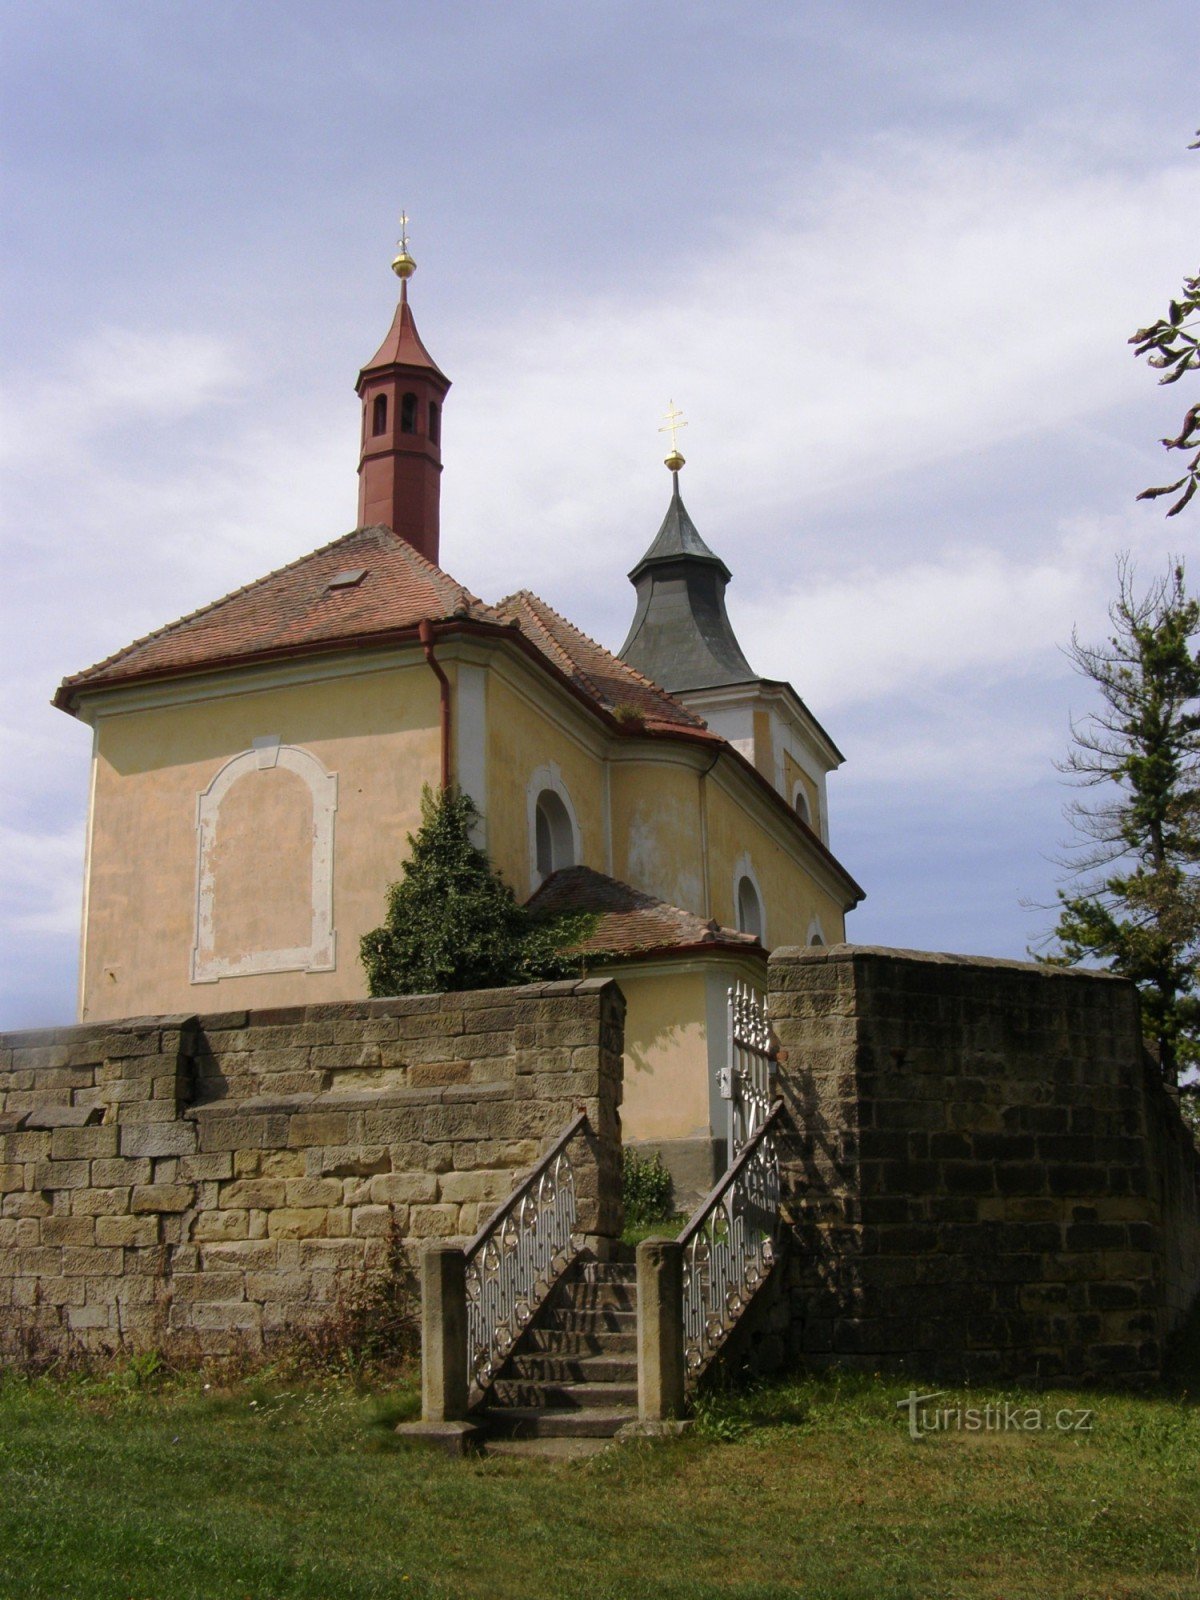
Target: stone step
(532, 1422)
(574, 1342)
(544, 1367)
(599, 1319)
(607, 1272)
(598, 1297)
(563, 1449)
(522, 1394)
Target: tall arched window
(379, 415)
(801, 805)
(555, 838)
(749, 908)
(435, 423)
(408, 413)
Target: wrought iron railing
(746, 1081)
(518, 1256)
(730, 1245)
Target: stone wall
(205, 1184)
(985, 1175)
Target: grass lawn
(166, 1490)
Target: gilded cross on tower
(403, 264)
(672, 422)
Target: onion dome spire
(681, 636)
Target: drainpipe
(425, 634)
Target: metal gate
(745, 1080)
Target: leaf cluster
(1172, 346)
(452, 923)
(646, 1189)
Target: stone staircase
(571, 1380)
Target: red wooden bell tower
(402, 392)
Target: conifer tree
(453, 923)
(1136, 905)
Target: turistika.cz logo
(998, 1416)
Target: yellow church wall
(522, 738)
(656, 830)
(376, 732)
(794, 774)
(666, 1090)
(791, 896)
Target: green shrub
(645, 1189)
(453, 923)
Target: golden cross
(672, 423)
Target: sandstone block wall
(206, 1183)
(985, 1175)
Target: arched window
(801, 805)
(435, 423)
(749, 907)
(408, 413)
(379, 415)
(555, 838)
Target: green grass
(145, 1487)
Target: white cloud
(41, 876)
(113, 378)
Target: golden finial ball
(403, 265)
(674, 461)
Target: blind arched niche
(264, 866)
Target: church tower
(681, 637)
(402, 391)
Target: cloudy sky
(885, 257)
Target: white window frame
(543, 778)
(320, 953)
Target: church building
(258, 764)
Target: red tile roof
(402, 346)
(602, 677)
(294, 608)
(631, 921)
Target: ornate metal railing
(518, 1256)
(746, 1081)
(730, 1246)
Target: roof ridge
(533, 601)
(646, 682)
(233, 594)
(466, 598)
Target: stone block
(61, 1175)
(319, 1127)
(210, 1226)
(83, 1143)
(434, 1222)
(296, 1222)
(260, 1193)
(283, 1164)
(12, 1179)
(82, 1262)
(16, 1231)
(353, 1161)
(475, 1186)
(74, 1230)
(314, 1192)
(404, 1188)
(204, 1168)
(370, 1221)
(84, 1317)
(157, 1139)
(162, 1197)
(137, 1232)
